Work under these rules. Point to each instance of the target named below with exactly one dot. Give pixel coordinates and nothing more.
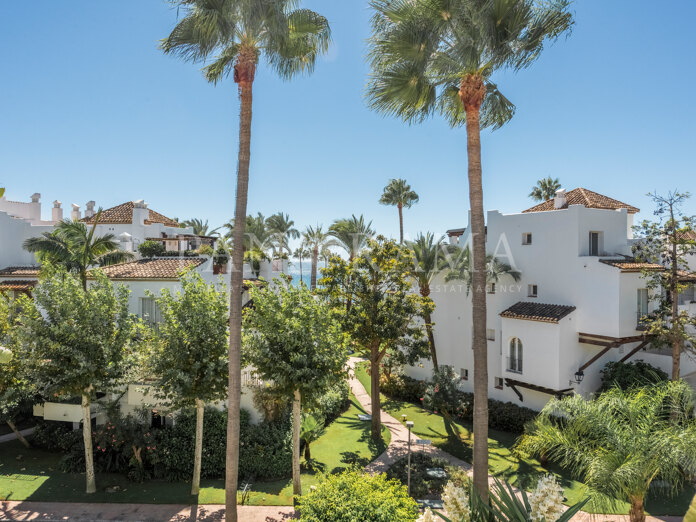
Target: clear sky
(91, 109)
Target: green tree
(200, 227)
(621, 441)
(72, 245)
(189, 358)
(282, 230)
(398, 193)
(438, 56)
(294, 340)
(352, 234)
(310, 431)
(316, 240)
(385, 315)
(231, 36)
(545, 189)
(74, 342)
(668, 242)
(150, 248)
(627, 375)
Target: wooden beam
(634, 351)
(608, 338)
(595, 342)
(591, 361)
(514, 388)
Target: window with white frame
(595, 243)
(464, 374)
(499, 383)
(642, 308)
(532, 290)
(527, 238)
(490, 334)
(514, 362)
(149, 311)
(490, 288)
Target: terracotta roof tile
(689, 235)
(20, 271)
(123, 215)
(158, 268)
(546, 313)
(589, 199)
(631, 265)
(17, 285)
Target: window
(527, 238)
(490, 334)
(464, 374)
(490, 288)
(499, 383)
(595, 243)
(532, 290)
(515, 356)
(149, 311)
(642, 308)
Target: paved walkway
(13, 436)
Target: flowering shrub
(456, 502)
(442, 393)
(428, 516)
(546, 501)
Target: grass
(33, 474)
(457, 439)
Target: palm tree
(437, 56)
(311, 429)
(281, 229)
(428, 261)
(316, 240)
(236, 34)
(620, 441)
(200, 227)
(545, 189)
(300, 253)
(398, 193)
(74, 246)
(256, 234)
(352, 234)
(461, 269)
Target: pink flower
(421, 398)
(103, 450)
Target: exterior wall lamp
(579, 376)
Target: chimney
(560, 200)
(89, 212)
(140, 212)
(126, 241)
(35, 197)
(75, 215)
(57, 212)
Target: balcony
(514, 365)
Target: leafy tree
(310, 431)
(200, 227)
(621, 441)
(2, 191)
(149, 248)
(668, 242)
(294, 340)
(73, 342)
(72, 245)
(190, 359)
(385, 316)
(398, 193)
(545, 189)
(627, 375)
(282, 230)
(316, 240)
(231, 36)
(352, 234)
(438, 56)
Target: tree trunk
(636, 513)
(296, 413)
(431, 341)
(234, 390)
(301, 274)
(674, 293)
(374, 392)
(19, 436)
(198, 452)
(307, 452)
(401, 223)
(87, 437)
(315, 260)
(472, 93)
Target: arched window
(515, 356)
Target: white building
(576, 307)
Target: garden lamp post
(409, 425)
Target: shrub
(442, 393)
(352, 496)
(334, 402)
(422, 486)
(151, 248)
(630, 375)
(403, 388)
(205, 250)
(55, 436)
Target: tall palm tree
(282, 230)
(428, 261)
(438, 56)
(316, 240)
(621, 440)
(352, 234)
(462, 269)
(200, 227)
(398, 193)
(74, 246)
(231, 36)
(300, 253)
(545, 189)
(256, 234)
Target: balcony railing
(514, 364)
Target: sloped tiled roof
(582, 196)
(20, 271)
(123, 215)
(546, 313)
(631, 265)
(689, 235)
(148, 269)
(17, 285)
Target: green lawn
(33, 474)
(456, 439)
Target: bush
(56, 436)
(151, 248)
(630, 375)
(422, 486)
(352, 496)
(403, 388)
(334, 402)
(442, 393)
(205, 250)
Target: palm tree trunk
(636, 513)
(374, 392)
(315, 260)
(472, 93)
(307, 452)
(431, 341)
(401, 223)
(198, 451)
(301, 274)
(234, 390)
(296, 413)
(87, 438)
(19, 436)
(674, 294)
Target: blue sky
(91, 109)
